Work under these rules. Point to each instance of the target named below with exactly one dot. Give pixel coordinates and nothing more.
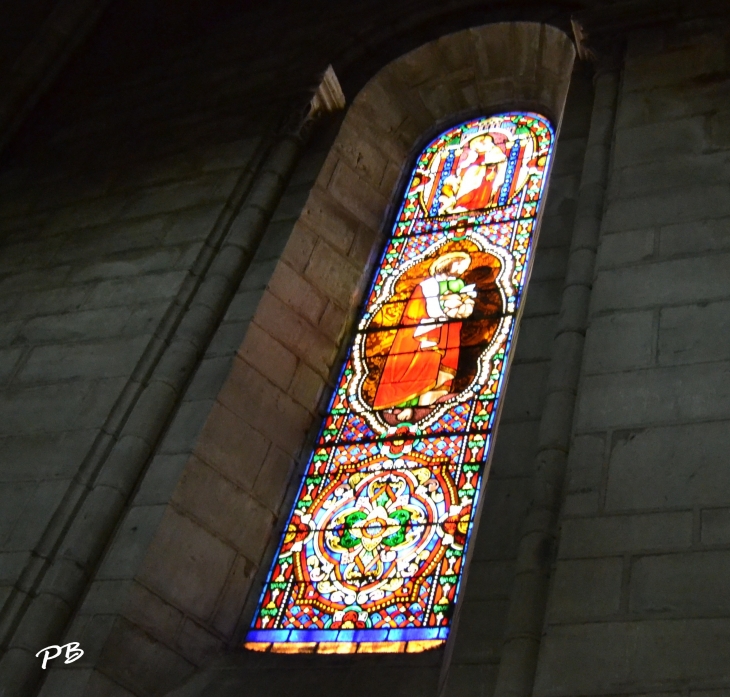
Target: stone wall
(109, 224)
(91, 293)
(639, 599)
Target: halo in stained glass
(373, 551)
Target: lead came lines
(431, 352)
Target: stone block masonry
(86, 329)
(638, 601)
(92, 281)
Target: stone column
(537, 544)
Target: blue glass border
(270, 636)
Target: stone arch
(479, 71)
(203, 549)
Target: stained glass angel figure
(478, 176)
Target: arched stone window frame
(477, 72)
(201, 552)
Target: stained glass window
(373, 553)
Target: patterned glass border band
(372, 555)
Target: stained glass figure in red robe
(477, 176)
(424, 356)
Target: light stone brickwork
(638, 603)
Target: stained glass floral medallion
(372, 555)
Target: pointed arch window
(373, 553)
